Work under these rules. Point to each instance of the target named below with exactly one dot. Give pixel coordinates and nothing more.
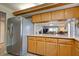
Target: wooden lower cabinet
(40, 48)
(51, 49)
(76, 53)
(32, 46)
(64, 50)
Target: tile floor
(28, 54)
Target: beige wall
(8, 11)
(9, 14)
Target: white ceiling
(52, 9)
(20, 6)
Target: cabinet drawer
(40, 38)
(65, 41)
(52, 40)
(32, 38)
(77, 44)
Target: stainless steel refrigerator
(17, 29)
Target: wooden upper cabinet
(69, 13)
(53, 16)
(36, 18)
(46, 17)
(58, 15)
(76, 12)
(72, 12)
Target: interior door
(2, 31)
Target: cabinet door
(40, 48)
(64, 50)
(46, 16)
(66, 41)
(51, 49)
(53, 16)
(76, 12)
(58, 15)
(2, 31)
(31, 46)
(51, 40)
(69, 13)
(36, 18)
(76, 43)
(76, 51)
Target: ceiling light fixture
(28, 5)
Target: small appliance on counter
(50, 29)
(45, 30)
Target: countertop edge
(74, 38)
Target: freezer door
(14, 28)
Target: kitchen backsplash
(69, 26)
(77, 28)
(39, 26)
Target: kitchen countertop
(56, 36)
